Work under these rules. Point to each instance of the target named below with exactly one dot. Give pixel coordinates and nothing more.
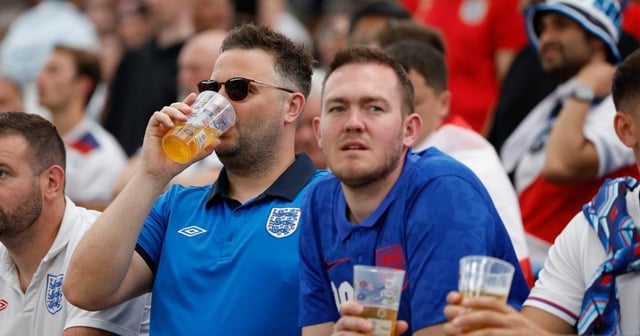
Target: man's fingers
(487, 303)
(189, 99)
(454, 297)
(401, 327)
(352, 323)
(161, 119)
(351, 308)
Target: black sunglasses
(237, 88)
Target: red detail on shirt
(547, 208)
(525, 266)
(391, 256)
(3, 304)
(456, 120)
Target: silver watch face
(583, 93)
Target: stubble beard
(363, 177)
(14, 223)
(251, 154)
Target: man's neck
(66, 118)
(362, 201)
(243, 187)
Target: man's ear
(87, 85)
(295, 103)
(626, 128)
(412, 126)
(52, 182)
(315, 123)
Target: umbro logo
(191, 231)
(3, 304)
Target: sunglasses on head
(237, 88)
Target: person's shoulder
(76, 221)
(180, 190)
(324, 177)
(433, 166)
(432, 163)
(323, 182)
(105, 139)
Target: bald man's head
(196, 60)
(10, 96)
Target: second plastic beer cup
(379, 290)
(211, 115)
(485, 276)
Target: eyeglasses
(237, 88)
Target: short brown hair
(292, 61)
(86, 64)
(626, 84)
(409, 30)
(45, 145)
(423, 58)
(360, 54)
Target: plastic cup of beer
(379, 290)
(211, 115)
(485, 276)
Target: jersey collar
(287, 186)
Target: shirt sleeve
(450, 218)
(124, 319)
(317, 304)
(152, 235)
(561, 284)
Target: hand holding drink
(479, 276)
(379, 290)
(211, 115)
(485, 276)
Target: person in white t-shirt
(39, 229)
(451, 134)
(590, 282)
(94, 157)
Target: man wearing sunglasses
(219, 255)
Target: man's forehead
(13, 148)
(250, 63)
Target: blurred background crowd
(98, 69)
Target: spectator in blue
(385, 206)
(214, 256)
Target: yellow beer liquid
(484, 292)
(183, 142)
(383, 320)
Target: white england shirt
(572, 262)
(43, 309)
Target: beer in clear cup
(211, 115)
(379, 290)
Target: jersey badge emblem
(473, 11)
(283, 222)
(54, 293)
(3, 304)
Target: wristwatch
(583, 94)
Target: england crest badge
(283, 222)
(54, 293)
